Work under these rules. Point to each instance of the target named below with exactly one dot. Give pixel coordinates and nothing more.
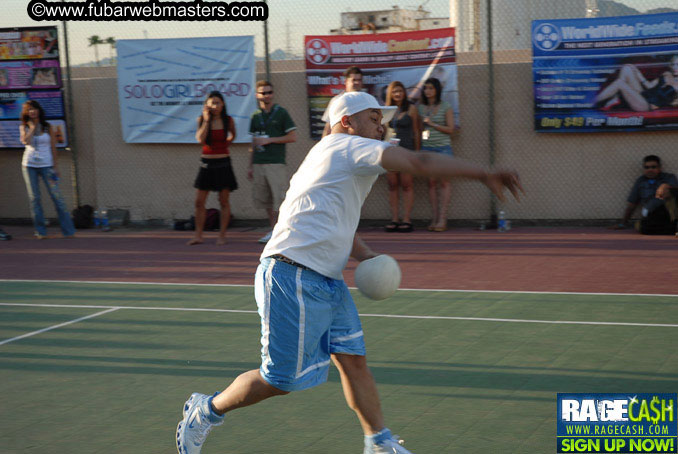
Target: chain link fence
(569, 177)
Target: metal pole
(490, 107)
(71, 122)
(268, 59)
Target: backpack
(83, 217)
(185, 224)
(658, 222)
(212, 219)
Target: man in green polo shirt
(271, 127)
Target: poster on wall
(27, 74)
(9, 137)
(11, 103)
(162, 84)
(30, 70)
(409, 57)
(606, 74)
(29, 43)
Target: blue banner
(162, 84)
(638, 422)
(606, 74)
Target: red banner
(409, 57)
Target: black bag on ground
(184, 224)
(212, 216)
(190, 225)
(658, 222)
(83, 217)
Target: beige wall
(567, 176)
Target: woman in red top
(216, 131)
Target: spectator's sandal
(392, 226)
(405, 227)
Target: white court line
(443, 290)
(183, 284)
(50, 328)
(416, 317)
(140, 308)
(529, 292)
(516, 320)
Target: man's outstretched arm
(437, 165)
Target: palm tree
(94, 40)
(111, 42)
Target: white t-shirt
(320, 214)
(38, 153)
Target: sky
(300, 17)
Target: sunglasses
(650, 167)
(270, 92)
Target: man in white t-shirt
(308, 315)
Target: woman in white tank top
(39, 161)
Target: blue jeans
(32, 177)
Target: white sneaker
(393, 445)
(196, 425)
(264, 239)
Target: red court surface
(524, 259)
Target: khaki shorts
(270, 185)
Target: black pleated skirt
(215, 175)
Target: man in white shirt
(308, 315)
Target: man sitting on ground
(655, 192)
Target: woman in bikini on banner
(640, 94)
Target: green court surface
(458, 372)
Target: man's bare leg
(360, 391)
(248, 389)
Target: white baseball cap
(356, 101)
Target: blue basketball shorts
(305, 317)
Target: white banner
(162, 84)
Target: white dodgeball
(379, 277)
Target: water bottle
(97, 218)
(262, 135)
(501, 222)
(104, 221)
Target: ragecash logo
(546, 37)
(317, 51)
(617, 423)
